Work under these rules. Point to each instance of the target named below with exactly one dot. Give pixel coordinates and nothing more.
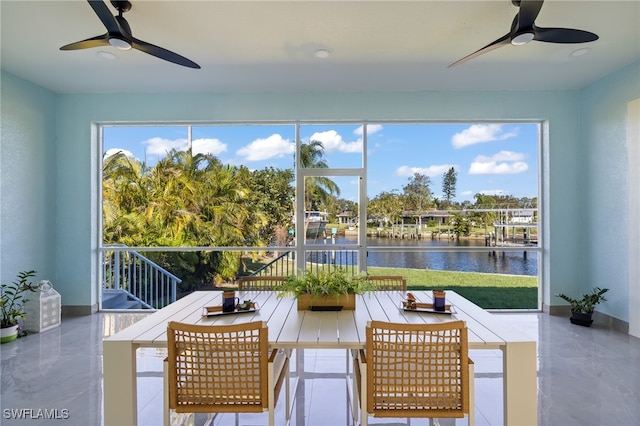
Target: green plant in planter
(587, 304)
(581, 309)
(12, 298)
(333, 282)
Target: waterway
(495, 261)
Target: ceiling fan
(524, 29)
(119, 35)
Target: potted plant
(12, 298)
(327, 289)
(582, 309)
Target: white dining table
(293, 329)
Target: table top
(290, 328)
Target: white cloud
(493, 168)
(114, 151)
(160, 146)
(208, 146)
(501, 156)
(466, 193)
(431, 171)
(371, 129)
(333, 142)
(502, 163)
(263, 149)
(480, 133)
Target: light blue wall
(563, 165)
(603, 154)
(27, 180)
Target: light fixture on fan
(523, 38)
(119, 43)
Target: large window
(441, 203)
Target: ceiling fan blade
(161, 53)
(105, 15)
(528, 13)
(119, 35)
(502, 41)
(97, 41)
(564, 35)
(524, 29)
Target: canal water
(498, 262)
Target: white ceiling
(249, 46)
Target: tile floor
(586, 376)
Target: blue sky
(489, 158)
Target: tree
(484, 201)
(184, 200)
(319, 189)
(418, 194)
(386, 207)
(273, 195)
(123, 193)
(449, 180)
(461, 225)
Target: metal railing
(284, 264)
(141, 279)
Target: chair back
(259, 283)
(417, 370)
(218, 368)
(388, 282)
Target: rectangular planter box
(306, 301)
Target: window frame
(361, 246)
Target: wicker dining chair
(259, 283)
(223, 369)
(415, 370)
(388, 282)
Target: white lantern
(42, 308)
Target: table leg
(520, 384)
(119, 378)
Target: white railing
(141, 279)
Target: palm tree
(184, 200)
(123, 192)
(318, 190)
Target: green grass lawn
(489, 291)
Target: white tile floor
(586, 376)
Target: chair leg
(271, 402)
(472, 390)
(354, 389)
(287, 392)
(165, 393)
(364, 415)
(292, 385)
(352, 356)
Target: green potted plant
(12, 298)
(582, 309)
(326, 289)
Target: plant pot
(326, 303)
(8, 334)
(580, 318)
